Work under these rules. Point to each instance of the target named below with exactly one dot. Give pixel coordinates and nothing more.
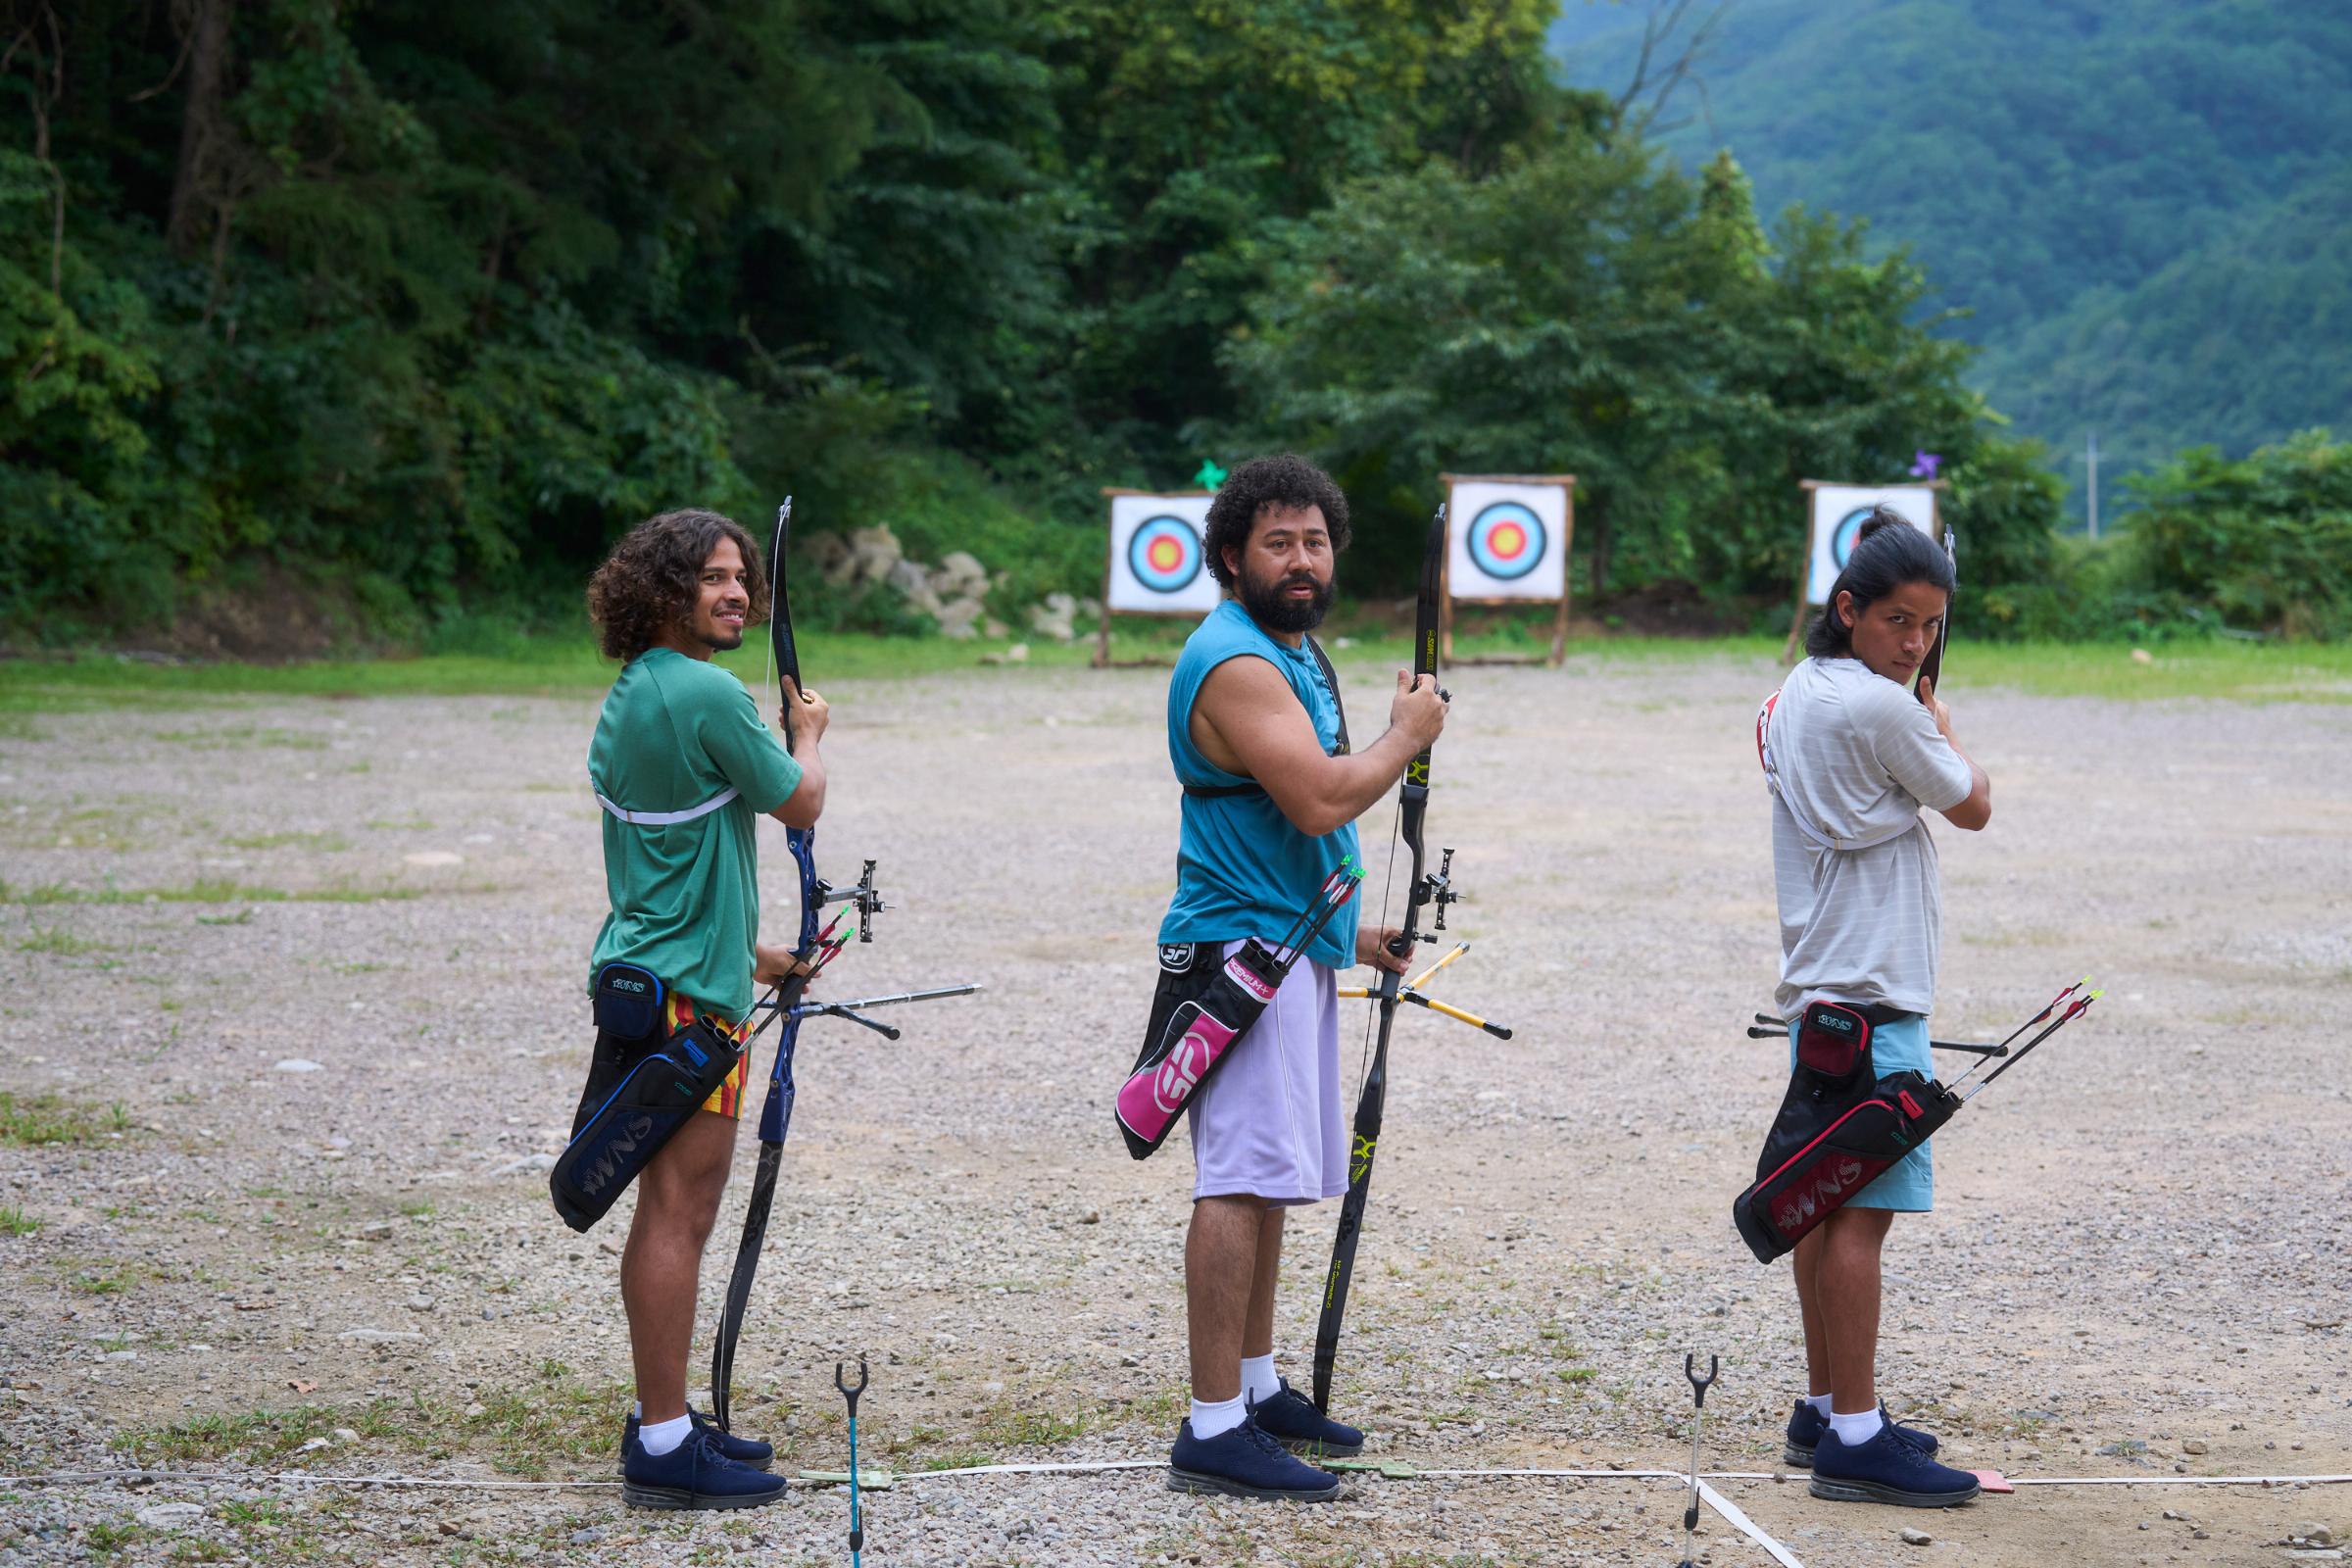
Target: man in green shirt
(683, 766)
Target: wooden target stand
(1447, 601)
(1103, 658)
(1804, 573)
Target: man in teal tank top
(683, 766)
(1272, 793)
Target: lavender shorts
(1268, 1123)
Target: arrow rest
(1437, 888)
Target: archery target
(1508, 539)
(1838, 512)
(1164, 554)
(1157, 562)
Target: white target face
(1837, 514)
(1157, 563)
(1505, 539)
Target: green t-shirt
(676, 732)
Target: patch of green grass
(2021, 936)
(65, 944)
(112, 1281)
(241, 917)
(258, 1511)
(35, 1119)
(1007, 1428)
(205, 889)
(241, 738)
(902, 1442)
(254, 1435)
(326, 842)
(1161, 1408)
(14, 1221)
(2255, 673)
(567, 665)
(956, 1459)
(541, 665)
(105, 1538)
(2242, 672)
(520, 1430)
(556, 1420)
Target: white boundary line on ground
(101, 1478)
(1731, 1512)
(1745, 1526)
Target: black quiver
(1839, 1126)
(642, 1086)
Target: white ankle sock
(1820, 1404)
(1857, 1429)
(1258, 1382)
(661, 1436)
(1215, 1420)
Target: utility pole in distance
(2091, 456)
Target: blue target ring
(1164, 554)
(1842, 537)
(1506, 540)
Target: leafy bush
(2262, 544)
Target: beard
(712, 635)
(1270, 606)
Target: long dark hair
(1888, 552)
(652, 578)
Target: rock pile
(953, 593)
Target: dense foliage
(368, 314)
(2143, 205)
(2259, 544)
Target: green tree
(1591, 311)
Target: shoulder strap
(1331, 683)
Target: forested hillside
(2144, 205)
(333, 323)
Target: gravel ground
(315, 1237)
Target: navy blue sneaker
(1885, 1469)
(1244, 1462)
(743, 1450)
(1291, 1419)
(695, 1474)
(1807, 1425)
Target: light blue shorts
(1908, 1186)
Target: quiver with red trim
(1841, 1125)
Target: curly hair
(1288, 482)
(1888, 552)
(652, 577)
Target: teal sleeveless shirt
(1242, 869)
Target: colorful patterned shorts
(678, 1012)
